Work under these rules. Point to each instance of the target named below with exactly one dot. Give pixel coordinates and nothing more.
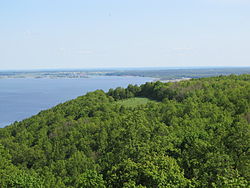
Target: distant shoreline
(165, 75)
(175, 80)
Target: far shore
(175, 80)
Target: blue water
(22, 98)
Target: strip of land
(163, 74)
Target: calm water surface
(22, 98)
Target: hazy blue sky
(37, 34)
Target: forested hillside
(188, 134)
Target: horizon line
(121, 68)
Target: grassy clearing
(133, 102)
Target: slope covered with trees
(189, 134)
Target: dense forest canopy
(192, 133)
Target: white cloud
(84, 52)
(30, 33)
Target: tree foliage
(196, 135)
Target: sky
(69, 34)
